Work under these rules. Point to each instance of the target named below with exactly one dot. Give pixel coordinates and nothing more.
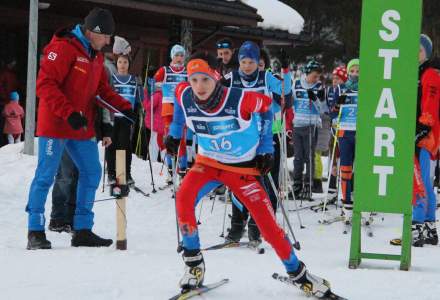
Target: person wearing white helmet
(167, 78)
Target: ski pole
(200, 211)
(224, 214)
(179, 242)
(103, 170)
(151, 170)
(285, 182)
(296, 244)
(151, 129)
(113, 108)
(289, 186)
(331, 164)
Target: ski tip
(275, 275)
(333, 296)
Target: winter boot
(310, 284)
(317, 186)
(194, 270)
(86, 238)
(417, 235)
(59, 226)
(37, 240)
(430, 233)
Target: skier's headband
(224, 45)
(200, 66)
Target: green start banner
(384, 160)
(387, 105)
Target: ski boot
(418, 239)
(220, 193)
(317, 186)
(59, 226)
(236, 232)
(306, 193)
(430, 233)
(254, 234)
(194, 270)
(310, 284)
(347, 209)
(297, 189)
(169, 179)
(86, 238)
(181, 173)
(37, 240)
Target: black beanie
(100, 21)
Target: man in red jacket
(71, 76)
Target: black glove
(422, 131)
(172, 145)
(321, 95)
(130, 114)
(341, 99)
(77, 120)
(312, 95)
(284, 59)
(264, 163)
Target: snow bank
(277, 15)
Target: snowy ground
(151, 268)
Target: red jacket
(13, 114)
(429, 110)
(69, 80)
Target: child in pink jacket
(13, 114)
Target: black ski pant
(121, 140)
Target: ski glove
(284, 59)
(312, 95)
(77, 121)
(264, 163)
(172, 145)
(422, 131)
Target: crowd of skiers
(222, 122)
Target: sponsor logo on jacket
(82, 59)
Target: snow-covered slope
(151, 268)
